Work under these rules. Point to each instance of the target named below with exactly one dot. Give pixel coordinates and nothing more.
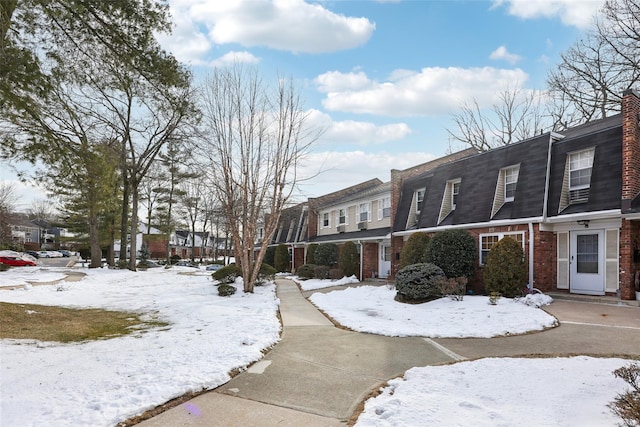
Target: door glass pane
(587, 253)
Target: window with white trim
(488, 241)
(342, 216)
(325, 219)
(384, 208)
(363, 212)
(455, 190)
(419, 200)
(510, 182)
(580, 165)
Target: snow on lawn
(501, 392)
(100, 383)
(22, 276)
(373, 309)
(313, 284)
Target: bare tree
(589, 81)
(516, 116)
(254, 138)
(8, 200)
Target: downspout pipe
(361, 257)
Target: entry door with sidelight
(587, 262)
(384, 266)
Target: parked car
(55, 254)
(43, 254)
(65, 253)
(148, 264)
(16, 261)
(214, 267)
(185, 264)
(33, 254)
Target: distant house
(571, 199)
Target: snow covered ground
(101, 383)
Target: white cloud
(231, 58)
(353, 132)
(502, 53)
(576, 13)
(338, 170)
(291, 25)
(432, 91)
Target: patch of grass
(60, 324)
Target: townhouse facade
(571, 199)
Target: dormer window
(419, 200)
(449, 199)
(455, 189)
(580, 165)
(510, 182)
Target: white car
(55, 254)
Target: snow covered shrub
(321, 272)
(281, 259)
(454, 288)
(414, 250)
(419, 283)
(505, 271)
(227, 274)
(349, 260)
(306, 271)
(311, 250)
(226, 290)
(454, 251)
(627, 405)
(336, 274)
(266, 274)
(494, 297)
(326, 254)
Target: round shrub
(311, 251)
(266, 274)
(414, 250)
(336, 274)
(326, 254)
(226, 290)
(454, 251)
(269, 255)
(419, 282)
(306, 271)
(281, 258)
(321, 271)
(349, 260)
(227, 274)
(505, 271)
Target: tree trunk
(94, 242)
(124, 223)
(134, 227)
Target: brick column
(630, 147)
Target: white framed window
(488, 241)
(510, 182)
(325, 220)
(455, 190)
(363, 212)
(342, 216)
(419, 200)
(580, 166)
(384, 208)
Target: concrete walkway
(318, 374)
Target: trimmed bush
(419, 283)
(266, 274)
(627, 404)
(269, 255)
(281, 259)
(326, 254)
(311, 251)
(454, 288)
(336, 274)
(414, 250)
(306, 271)
(226, 290)
(505, 271)
(349, 260)
(227, 274)
(174, 259)
(454, 251)
(321, 272)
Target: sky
(380, 78)
(112, 380)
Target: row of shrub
(442, 265)
(327, 261)
(229, 274)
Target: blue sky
(381, 77)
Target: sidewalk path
(318, 374)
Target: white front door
(384, 264)
(587, 262)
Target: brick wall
(369, 260)
(629, 243)
(298, 257)
(630, 147)
(545, 266)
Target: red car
(15, 261)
